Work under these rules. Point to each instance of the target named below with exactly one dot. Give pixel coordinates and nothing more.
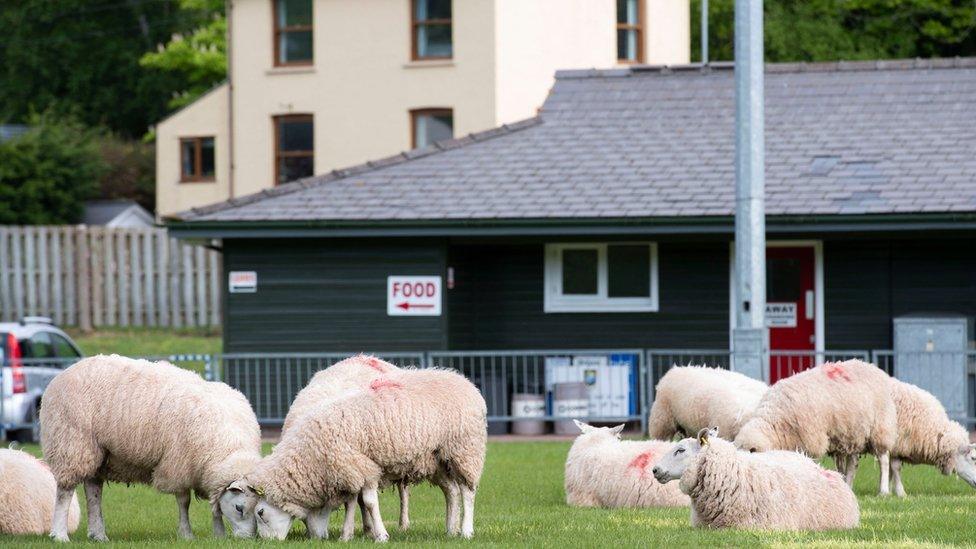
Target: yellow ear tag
(259, 491)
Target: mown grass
(150, 342)
(521, 503)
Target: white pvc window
(601, 277)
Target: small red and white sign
(413, 296)
(242, 282)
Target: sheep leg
(404, 490)
(371, 498)
(896, 477)
(367, 525)
(452, 502)
(467, 522)
(183, 504)
(349, 523)
(317, 523)
(218, 523)
(93, 498)
(851, 463)
(59, 522)
(884, 462)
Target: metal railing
(270, 381)
(620, 382)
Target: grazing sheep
(926, 435)
(604, 471)
(27, 491)
(690, 398)
(410, 425)
(111, 418)
(839, 408)
(352, 374)
(774, 490)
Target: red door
(790, 310)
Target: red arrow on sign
(406, 306)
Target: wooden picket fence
(97, 276)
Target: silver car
(32, 352)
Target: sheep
(412, 425)
(351, 374)
(838, 408)
(27, 491)
(112, 418)
(690, 398)
(775, 490)
(926, 435)
(604, 471)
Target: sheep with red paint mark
(840, 408)
(342, 378)
(690, 398)
(410, 426)
(775, 490)
(604, 471)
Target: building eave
(715, 225)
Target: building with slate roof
(607, 220)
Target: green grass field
(521, 503)
(150, 342)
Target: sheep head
(674, 464)
(965, 462)
(272, 522)
(753, 437)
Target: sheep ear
(703, 436)
(583, 427)
(618, 429)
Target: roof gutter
(558, 227)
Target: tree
(200, 57)
(81, 57)
(47, 173)
(130, 170)
(827, 30)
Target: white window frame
(556, 302)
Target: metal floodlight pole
(749, 340)
(704, 32)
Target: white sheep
(604, 471)
(352, 374)
(411, 425)
(838, 408)
(111, 418)
(690, 398)
(776, 490)
(926, 435)
(27, 491)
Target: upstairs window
(630, 31)
(429, 126)
(598, 277)
(197, 159)
(431, 29)
(294, 147)
(292, 32)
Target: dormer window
(292, 32)
(431, 29)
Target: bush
(47, 173)
(130, 171)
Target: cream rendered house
(316, 85)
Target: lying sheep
(27, 491)
(775, 490)
(839, 408)
(926, 435)
(604, 471)
(111, 418)
(352, 374)
(411, 424)
(690, 398)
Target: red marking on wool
(376, 364)
(378, 384)
(641, 461)
(835, 371)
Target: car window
(63, 347)
(41, 346)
